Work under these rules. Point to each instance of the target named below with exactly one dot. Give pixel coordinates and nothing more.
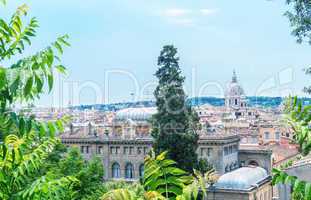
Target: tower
(234, 96)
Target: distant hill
(267, 102)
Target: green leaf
(50, 82)
(14, 86)
(307, 192)
(28, 86)
(61, 69)
(3, 2)
(2, 77)
(39, 83)
(58, 47)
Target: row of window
(87, 149)
(230, 149)
(128, 150)
(206, 152)
(128, 171)
(276, 135)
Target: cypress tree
(175, 123)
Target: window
(115, 170)
(87, 149)
(226, 151)
(209, 151)
(99, 150)
(254, 140)
(235, 148)
(230, 150)
(202, 151)
(139, 150)
(277, 135)
(125, 150)
(111, 150)
(131, 150)
(253, 163)
(235, 101)
(145, 150)
(82, 149)
(129, 171)
(267, 135)
(117, 150)
(287, 134)
(141, 170)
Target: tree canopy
(175, 124)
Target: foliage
(114, 185)
(174, 120)
(204, 166)
(26, 143)
(299, 117)
(163, 180)
(88, 173)
(299, 16)
(20, 161)
(161, 175)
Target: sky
(115, 45)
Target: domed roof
(243, 178)
(234, 88)
(136, 114)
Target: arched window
(253, 163)
(129, 171)
(115, 170)
(141, 170)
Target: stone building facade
(124, 144)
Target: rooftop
(244, 178)
(135, 114)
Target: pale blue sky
(213, 38)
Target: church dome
(234, 88)
(242, 179)
(135, 114)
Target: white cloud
(176, 12)
(207, 11)
(185, 17)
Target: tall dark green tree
(175, 123)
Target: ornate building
(123, 144)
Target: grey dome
(136, 114)
(234, 88)
(242, 179)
